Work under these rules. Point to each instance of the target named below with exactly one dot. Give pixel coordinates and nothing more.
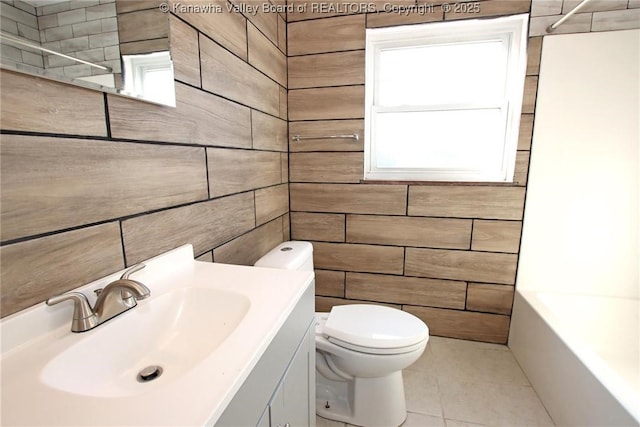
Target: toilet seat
(374, 329)
(380, 351)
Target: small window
(147, 75)
(443, 100)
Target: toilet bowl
(361, 350)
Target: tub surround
(576, 312)
(585, 372)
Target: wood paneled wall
(446, 253)
(142, 27)
(92, 183)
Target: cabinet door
(290, 405)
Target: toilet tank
(292, 255)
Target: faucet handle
(83, 316)
(132, 269)
(127, 296)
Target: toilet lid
(375, 326)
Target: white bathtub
(581, 354)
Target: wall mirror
(115, 46)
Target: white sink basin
(174, 331)
(205, 324)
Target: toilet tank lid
(375, 326)
(287, 255)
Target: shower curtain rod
(551, 28)
(13, 39)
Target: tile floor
(460, 383)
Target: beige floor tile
(422, 420)
(441, 343)
(470, 384)
(475, 362)
(493, 404)
(424, 363)
(419, 420)
(323, 422)
(421, 392)
(456, 423)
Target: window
(443, 100)
(151, 76)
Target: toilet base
(369, 402)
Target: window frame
(136, 67)
(510, 29)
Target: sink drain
(149, 373)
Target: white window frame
(135, 69)
(511, 29)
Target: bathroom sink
(205, 324)
(174, 331)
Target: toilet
(361, 350)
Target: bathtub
(585, 370)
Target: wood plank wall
(92, 183)
(446, 253)
(142, 27)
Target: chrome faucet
(115, 298)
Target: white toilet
(361, 350)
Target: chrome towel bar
(354, 136)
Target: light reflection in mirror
(147, 75)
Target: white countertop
(198, 396)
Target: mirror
(115, 46)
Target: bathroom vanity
(280, 391)
(235, 344)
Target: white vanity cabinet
(290, 405)
(280, 391)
